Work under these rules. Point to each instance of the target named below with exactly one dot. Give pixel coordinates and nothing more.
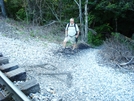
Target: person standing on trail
(71, 33)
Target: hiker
(71, 34)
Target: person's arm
(77, 29)
(66, 33)
(66, 30)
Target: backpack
(74, 26)
(76, 39)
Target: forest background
(97, 19)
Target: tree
(81, 19)
(86, 20)
(3, 8)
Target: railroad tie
(18, 74)
(30, 86)
(12, 72)
(1, 55)
(4, 60)
(8, 67)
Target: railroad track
(10, 72)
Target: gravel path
(77, 77)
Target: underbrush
(118, 51)
(21, 30)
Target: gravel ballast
(77, 77)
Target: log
(4, 60)
(8, 67)
(30, 86)
(18, 74)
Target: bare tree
(81, 19)
(3, 8)
(84, 33)
(86, 21)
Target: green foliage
(98, 38)
(103, 28)
(101, 13)
(115, 35)
(95, 39)
(91, 18)
(13, 6)
(21, 14)
(32, 34)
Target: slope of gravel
(77, 77)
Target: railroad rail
(11, 89)
(10, 72)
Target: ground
(70, 77)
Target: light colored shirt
(71, 29)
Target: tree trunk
(86, 21)
(3, 8)
(81, 22)
(116, 24)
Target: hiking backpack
(76, 39)
(74, 26)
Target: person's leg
(64, 44)
(74, 46)
(65, 41)
(74, 42)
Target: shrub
(21, 15)
(95, 39)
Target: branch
(50, 23)
(77, 3)
(53, 12)
(93, 31)
(127, 63)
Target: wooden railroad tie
(4, 60)
(8, 67)
(18, 74)
(14, 73)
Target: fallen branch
(127, 63)
(53, 22)
(93, 31)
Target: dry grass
(21, 30)
(119, 53)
